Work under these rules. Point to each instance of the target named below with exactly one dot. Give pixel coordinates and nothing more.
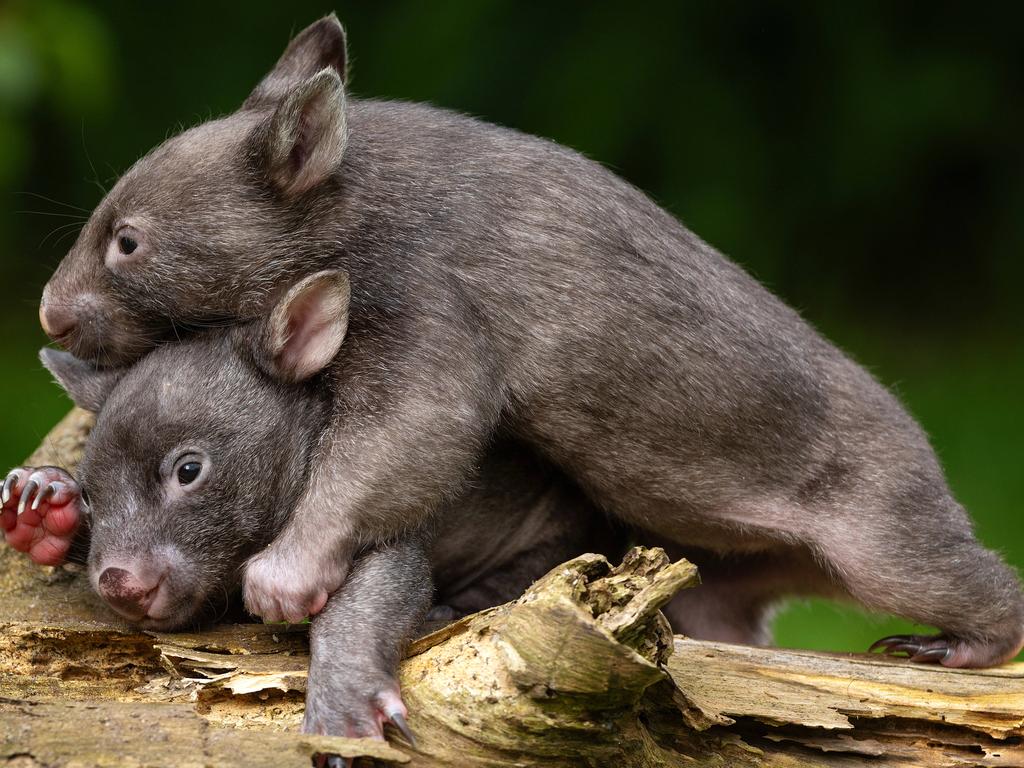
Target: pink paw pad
(40, 512)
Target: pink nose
(126, 592)
(58, 320)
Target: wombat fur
(168, 554)
(503, 283)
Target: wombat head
(202, 228)
(201, 450)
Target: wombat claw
(398, 720)
(919, 648)
(331, 761)
(30, 489)
(45, 495)
(35, 493)
(9, 483)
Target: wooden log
(581, 670)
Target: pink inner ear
(315, 327)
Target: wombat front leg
(358, 639)
(43, 514)
(410, 424)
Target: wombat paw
(359, 717)
(278, 587)
(949, 651)
(40, 512)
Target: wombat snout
(58, 320)
(127, 592)
(143, 588)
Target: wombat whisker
(85, 211)
(95, 175)
(76, 216)
(65, 228)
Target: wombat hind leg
(936, 574)
(735, 600)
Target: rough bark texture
(582, 670)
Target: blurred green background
(864, 160)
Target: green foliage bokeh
(864, 160)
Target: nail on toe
(26, 495)
(45, 495)
(403, 727)
(9, 484)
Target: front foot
(40, 512)
(947, 650)
(357, 715)
(287, 584)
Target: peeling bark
(581, 670)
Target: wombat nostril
(57, 320)
(114, 579)
(123, 590)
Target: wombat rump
(500, 282)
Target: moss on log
(581, 670)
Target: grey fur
(517, 518)
(502, 282)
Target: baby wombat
(197, 460)
(502, 282)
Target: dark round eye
(187, 473)
(127, 244)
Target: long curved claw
(932, 655)
(9, 485)
(26, 495)
(44, 496)
(397, 719)
(909, 648)
(918, 648)
(886, 643)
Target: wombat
(197, 460)
(501, 282)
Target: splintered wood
(581, 670)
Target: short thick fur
(503, 283)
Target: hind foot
(949, 651)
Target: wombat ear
(305, 139)
(87, 386)
(319, 46)
(304, 331)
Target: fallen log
(581, 670)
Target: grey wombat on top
(500, 281)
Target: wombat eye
(127, 244)
(187, 473)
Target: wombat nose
(58, 320)
(126, 592)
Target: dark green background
(864, 160)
